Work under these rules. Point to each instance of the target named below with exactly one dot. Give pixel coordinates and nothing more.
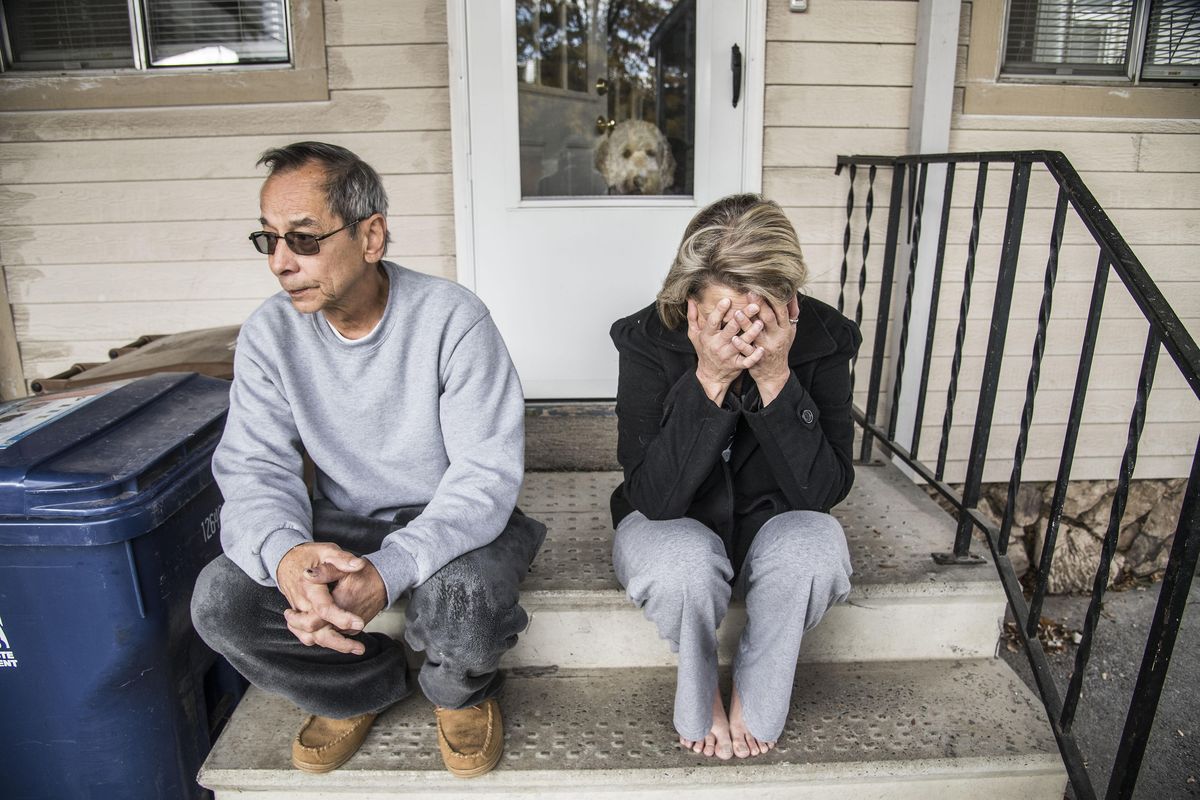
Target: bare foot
(744, 745)
(717, 742)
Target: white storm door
(561, 247)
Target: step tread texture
(846, 720)
(891, 525)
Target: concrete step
(581, 619)
(906, 731)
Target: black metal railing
(1164, 330)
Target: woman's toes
(755, 746)
(710, 745)
(740, 748)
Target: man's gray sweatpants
(463, 618)
(676, 570)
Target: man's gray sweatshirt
(425, 410)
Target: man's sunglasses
(302, 244)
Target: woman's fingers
(750, 361)
(717, 316)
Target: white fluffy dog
(635, 158)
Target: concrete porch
(899, 693)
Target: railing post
(885, 303)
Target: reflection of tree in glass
(630, 24)
(552, 35)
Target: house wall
(118, 222)
(839, 85)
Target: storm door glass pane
(606, 96)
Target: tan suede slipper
(470, 739)
(324, 744)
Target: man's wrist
(397, 568)
(276, 546)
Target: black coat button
(807, 416)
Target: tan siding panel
(385, 22)
(822, 106)
(367, 110)
(1169, 153)
(1087, 151)
(1058, 373)
(167, 281)
(1097, 440)
(839, 64)
(844, 21)
(1085, 468)
(185, 201)
(819, 186)
(820, 147)
(163, 242)
(122, 322)
(388, 66)
(1052, 408)
(189, 158)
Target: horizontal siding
(419, 194)
(120, 222)
(221, 240)
(838, 86)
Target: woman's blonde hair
(742, 241)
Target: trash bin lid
(106, 462)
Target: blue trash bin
(108, 511)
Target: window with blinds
(144, 34)
(1130, 39)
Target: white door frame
(753, 91)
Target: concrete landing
(581, 619)
(881, 730)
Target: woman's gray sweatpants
(464, 618)
(677, 572)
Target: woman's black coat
(733, 467)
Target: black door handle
(735, 64)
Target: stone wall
(1143, 545)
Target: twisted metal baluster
(934, 299)
(846, 241)
(1065, 461)
(963, 310)
(868, 208)
(1035, 367)
(1109, 546)
(915, 238)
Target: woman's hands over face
(733, 332)
(724, 347)
(771, 371)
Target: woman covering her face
(735, 435)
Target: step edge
(1019, 765)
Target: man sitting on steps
(399, 388)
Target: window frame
(1135, 51)
(304, 79)
(989, 91)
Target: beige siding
(837, 85)
(118, 222)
